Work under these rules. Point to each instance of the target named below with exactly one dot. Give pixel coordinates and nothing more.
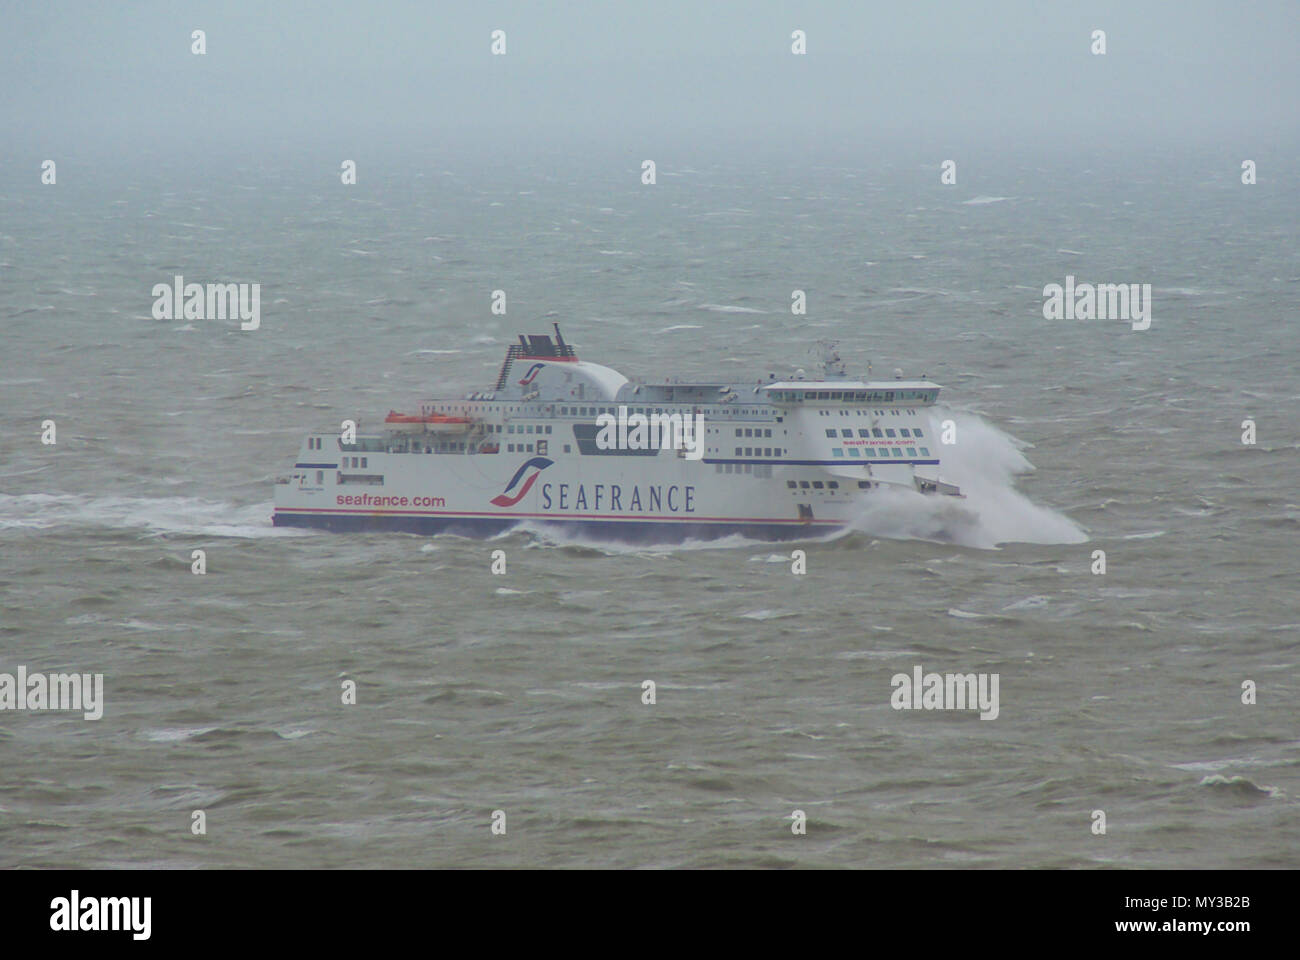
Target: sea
(1125, 559)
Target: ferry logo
(531, 375)
(503, 499)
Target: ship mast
(829, 359)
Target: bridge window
(904, 431)
(917, 432)
(911, 451)
(837, 452)
(831, 434)
(853, 452)
(846, 433)
(889, 432)
(925, 451)
(877, 432)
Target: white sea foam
(984, 463)
(172, 734)
(184, 515)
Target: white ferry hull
(670, 505)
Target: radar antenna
(829, 358)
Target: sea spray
(984, 463)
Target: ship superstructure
(776, 460)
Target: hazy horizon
(102, 82)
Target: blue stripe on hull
(630, 531)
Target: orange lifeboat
(432, 423)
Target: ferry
(781, 459)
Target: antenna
(829, 358)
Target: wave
(725, 308)
(984, 463)
(1242, 787)
(159, 515)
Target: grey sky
(117, 77)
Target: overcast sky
(121, 76)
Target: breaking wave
(984, 463)
(160, 515)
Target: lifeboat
(427, 423)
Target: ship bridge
(912, 392)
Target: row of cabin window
(877, 432)
(816, 484)
(596, 411)
(859, 396)
(758, 451)
(755, 432)
(355, 462)
(526, 428)
(884, 451)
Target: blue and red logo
(531, 375)
(538, 464)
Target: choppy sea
(1120, 692)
